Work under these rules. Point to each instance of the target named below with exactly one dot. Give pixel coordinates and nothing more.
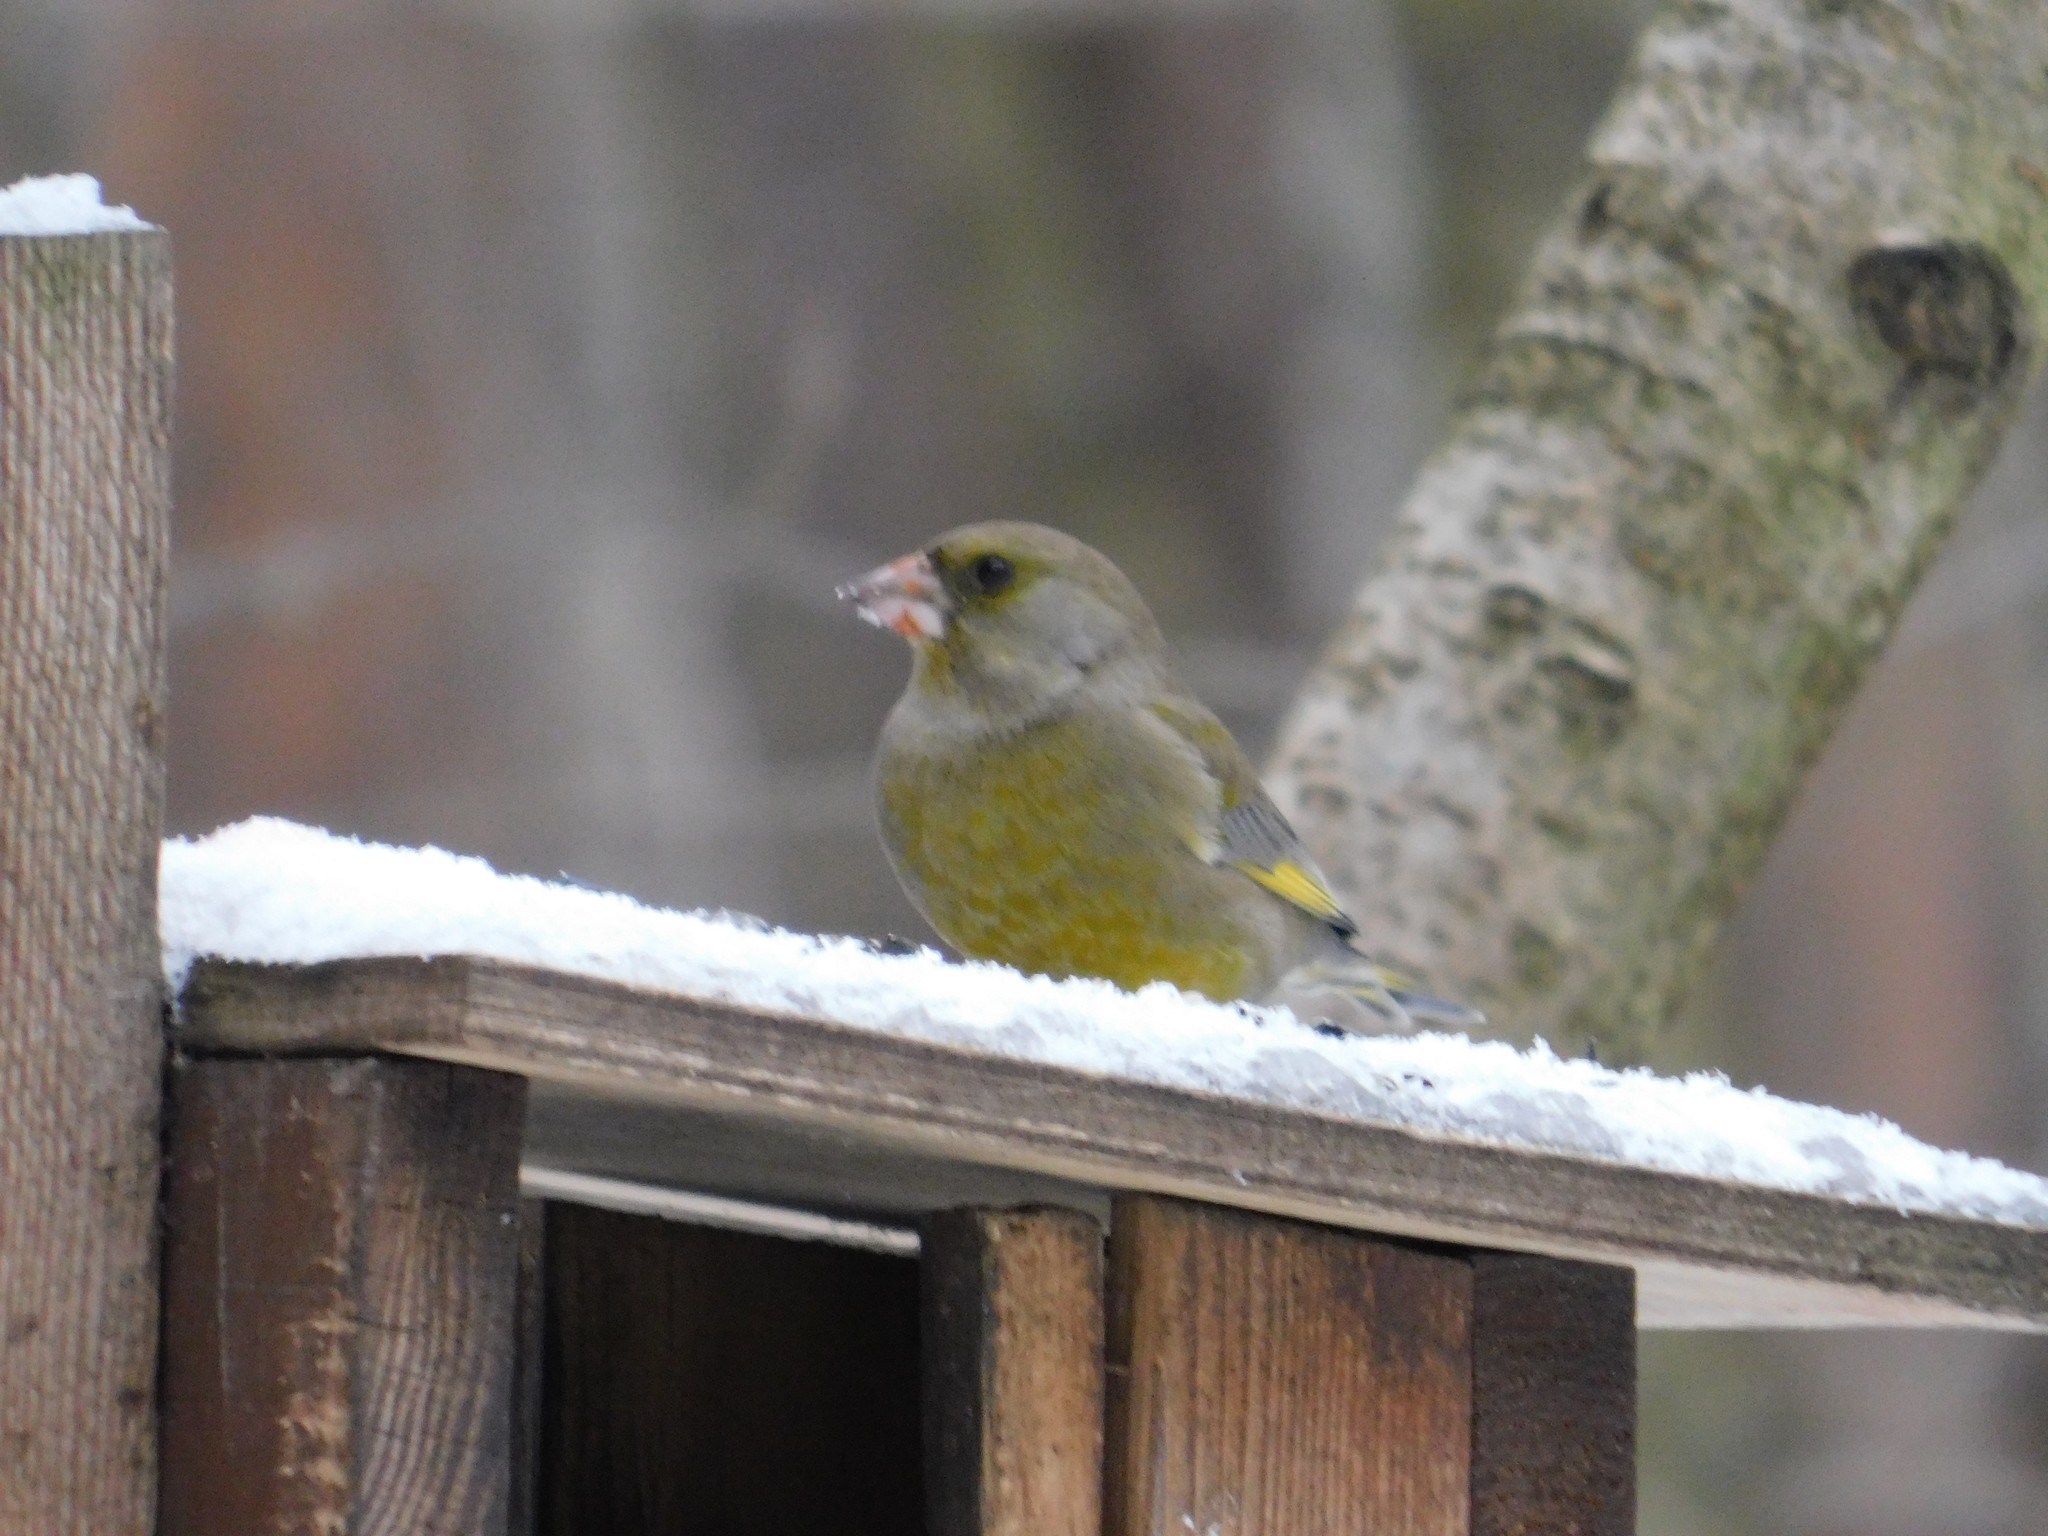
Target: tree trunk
(1775, 335)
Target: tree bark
(1775, 335)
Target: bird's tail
(1424, 1008)
(1380, 1001)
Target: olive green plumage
(1051, 797)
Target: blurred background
(544, 363)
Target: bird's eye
(990, 574)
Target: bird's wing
(1250, 834)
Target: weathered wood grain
(528, 1343)
(1553, 1397)
(1706, 1253)
(341, 1254)
(85, 399)
(700, 1382)
(1269, 1378)
(1013, 1373)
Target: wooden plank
(1553, 1398)
(341, 1254)
(1013, 1373)
(528, 1343)
(1268, 1378)
(775, 1158)
(701, 1382)
(1706, 1253)
(85, 375)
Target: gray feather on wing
(1255, 836)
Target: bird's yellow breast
(1023, 849)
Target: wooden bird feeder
(1046, 1302)
(1298, 1323)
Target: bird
(1052, 797)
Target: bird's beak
(905, 595)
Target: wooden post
(85, 377)
(341, 1257)
(1269, 1378)
(1013, 1373)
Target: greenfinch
(1053, 798)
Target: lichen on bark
(1772, 339)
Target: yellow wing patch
(1298, 884)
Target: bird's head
(1014, 616)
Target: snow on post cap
(274, 892)
(62, 205)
